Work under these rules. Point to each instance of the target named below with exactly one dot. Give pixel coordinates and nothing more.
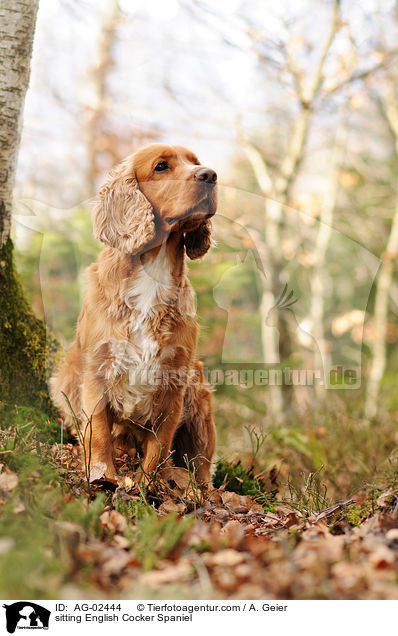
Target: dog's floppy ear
(123, 217)
(198, 242)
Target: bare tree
(104, 145)
(278, 181)
(389, 106)
(317, 310)
(17, 23)
(23, 337)
(95, 137)
(277, 185)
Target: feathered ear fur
(198, 242)
(123, 217)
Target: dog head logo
(26, 615)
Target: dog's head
(157, 190)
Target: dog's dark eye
(161, 166)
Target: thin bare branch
(389, 58)
(260, 168)
(294, 72)
(334, 26)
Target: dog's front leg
(158, 441)
(195, 439)
(96, 429)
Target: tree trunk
(23, 338)
(17, 24)
(379, 354)
(98, 108)
(381, 319)
(267, 246)
(278, 342)
(318, 283)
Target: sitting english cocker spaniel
(131, 378)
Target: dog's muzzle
(207, 175)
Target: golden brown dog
(131, 376)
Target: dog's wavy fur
(138, 319)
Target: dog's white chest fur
(152, 286)
(138, 360)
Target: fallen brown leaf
(235, 502)
(224, 558)
(8, 481)
(170, 574)
(97, 471)
(169, 506)
(113, 521)
(234, 532)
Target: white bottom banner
(176, 617)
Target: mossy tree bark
(23, 338)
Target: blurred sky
(189, 69)
(186, 68)
(192, 70)
(165, 62)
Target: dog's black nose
(206, 174)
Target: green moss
(243, 481)
(238, 479)
(138, 507)
(27, 350)
(21, 420)
(355, 515)
(155, 538)
(204, 546)
(85, 514)
(34, 561)
(35, 564)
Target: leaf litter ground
(173, 540)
